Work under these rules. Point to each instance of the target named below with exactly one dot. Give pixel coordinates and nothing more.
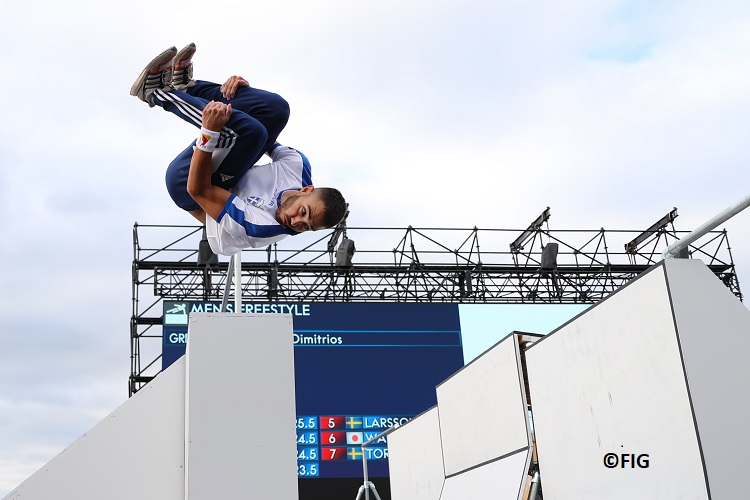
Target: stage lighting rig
(518, 244)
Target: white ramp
(144, 438)
(239, 418)
(644, 395)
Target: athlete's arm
(210, 198)
(272, 147)
(199, 214)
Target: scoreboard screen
(359, 369)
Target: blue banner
(359, 369)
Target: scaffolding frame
(453, 265)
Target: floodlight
(345, 252)
(632, 247)
(273, 283)
(533, 228)
(338, 231)
(465, 288)
(549, 257)
(206, 256)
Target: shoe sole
(186, 54)
(144, 74)
(182, 74)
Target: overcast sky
(424, 113)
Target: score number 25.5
(307, 423)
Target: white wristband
(207, 140)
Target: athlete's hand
(216, 115)
(229, 89)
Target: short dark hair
(335, 205)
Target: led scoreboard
(333, 438)
(359, 369)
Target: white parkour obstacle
(218, 423)
(644, 395)
(641, 396)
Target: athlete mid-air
(216, 178)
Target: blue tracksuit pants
(258, 117)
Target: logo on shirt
(225, 177)
(255, 201)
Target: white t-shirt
(249, 216)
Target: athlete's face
(302, 212)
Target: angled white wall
(415, 459)
(499, 480)
(218, 423)
(642, 396)
(714, 332)
(482, 408)
(479, 428)
(658, 370)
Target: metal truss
(541, 266)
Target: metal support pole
(674, 249)
(227, 284)
(368, 485)
(534, 487)
(238, 282)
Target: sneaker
(157, 75)
(182, 72)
